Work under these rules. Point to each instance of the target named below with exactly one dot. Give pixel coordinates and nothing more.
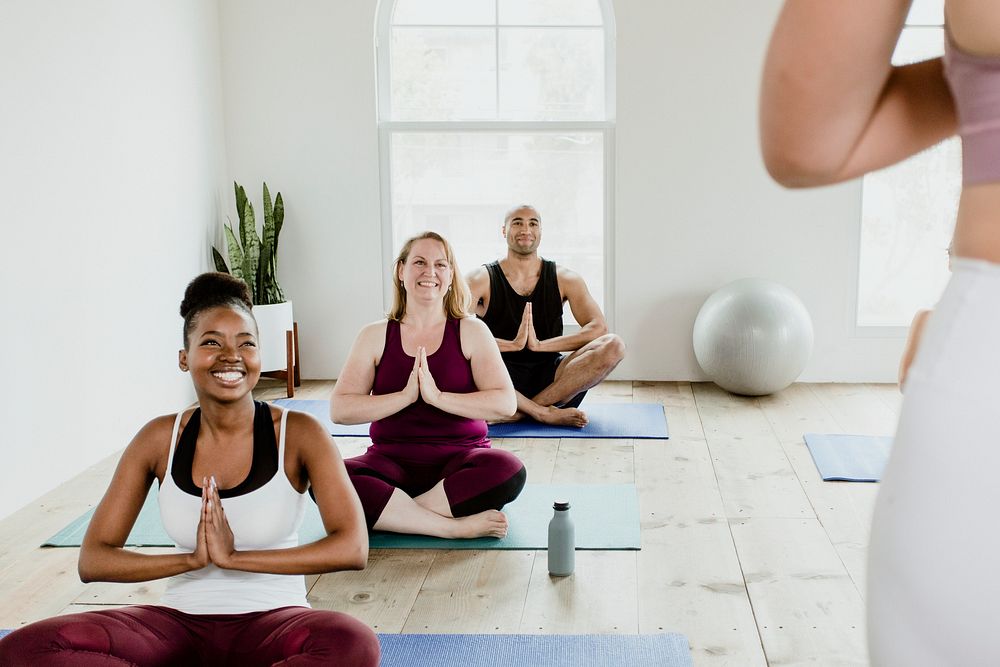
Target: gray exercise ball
(753, 337)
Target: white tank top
(266, 518)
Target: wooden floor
(744, 549)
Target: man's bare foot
(516, 417)
(563, 417)
(491, 523)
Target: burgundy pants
(476, 479)
(151, 636)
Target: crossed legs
(583, 369)
(465, 501)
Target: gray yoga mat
(849, 458)
(606, 517)
(606, 420)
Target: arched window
(488, 104)
(908, 210)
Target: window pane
(443, 74)
(926, 12)
(916, 44)
(549, 12)
(907, 217)
(444, 12)
(552, 74)
(462, 183)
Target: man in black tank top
(520, 298)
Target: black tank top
(263, 466)
(503, 315)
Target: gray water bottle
(562, 541)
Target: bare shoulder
(372, 336)
(571, 283)
(473, 326)
(475, 336)
(151, 445)
(478, 279)
(303, 431)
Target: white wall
(300, 114)
(111, 160)
(694, 207)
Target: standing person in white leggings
(833, 108)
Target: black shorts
(531, 378)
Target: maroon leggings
(153, 636)
(475, 478)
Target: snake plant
(252, 259)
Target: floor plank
(473, 592)
(808, 609)
(382, 594)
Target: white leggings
(934, 559)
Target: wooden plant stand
(291, 373)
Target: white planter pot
(273, 320)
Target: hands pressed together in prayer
(421, 383)
(216, 543)
(526, 337)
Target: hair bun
(214, 289)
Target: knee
(33, 644)
(344, 637)
(613, 349)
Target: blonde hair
(456, 300)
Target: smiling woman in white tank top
(233, 477)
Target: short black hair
(210, 290)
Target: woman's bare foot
(563, 417)
(491, 523)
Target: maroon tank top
(420, 423)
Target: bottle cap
(560, 505)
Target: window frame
(387, 127)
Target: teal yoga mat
(607, 420)
(661, 650)
(849, 458)
(606, 518)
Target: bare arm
(102, 554)
(832, 105)
(912, 344)
(345, 546)
(352, 401)
(585, 310)
(494, 396)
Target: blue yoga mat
(606, 517)
(607, 420)
(663, 650)
(849, 458)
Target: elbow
(85, 569)
(509, 405)
(336, 411)
(799, 166)
(358, 558)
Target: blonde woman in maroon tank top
(832, 109)
(427, 378)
